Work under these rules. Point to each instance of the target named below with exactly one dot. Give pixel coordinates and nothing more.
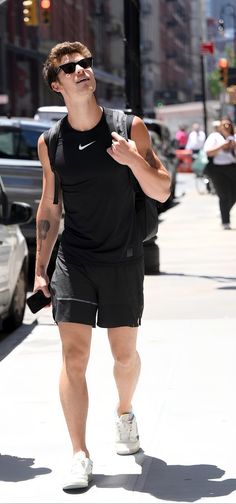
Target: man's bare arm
(47, 221)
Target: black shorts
(106, 295)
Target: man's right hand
(42, 282)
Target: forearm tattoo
(43, 228)
(150, 158)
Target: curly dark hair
(55, 56)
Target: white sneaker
(127, 438)
(81, 472)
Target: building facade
(169, 51)
(23, 50)
(170, 38)
(224, 39)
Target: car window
(30, 139)
(19, 143)
(8, 143)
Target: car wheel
(17, 308)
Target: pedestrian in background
(181, 137)
(221, 147)
(196, 139)
(216, 125)
(99, 272)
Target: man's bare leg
(76, 342)
(126, 364)
(126, 372)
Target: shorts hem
(113, 326)
(91, 324)
(128, 323)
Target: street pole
(132, 57)
(203, 33)
(204, 94)
(3, 80)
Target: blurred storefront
(23, 49)
(169, 41)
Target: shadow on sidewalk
(19, 469)
(217, 278)
(9, 341)
(175, 483)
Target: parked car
(50, 113)
(13, 261)
(20, 168)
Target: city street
(185, 400)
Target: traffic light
(221, 25)
(45, 9)
(223, 65)
(30, 15)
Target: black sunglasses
(69, 68)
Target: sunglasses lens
(69, 68)
(85, 63)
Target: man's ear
(55, 86)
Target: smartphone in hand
(37, 301)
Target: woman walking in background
(181, 137)
(221, 147)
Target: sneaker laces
(125, 426)
(79, 463)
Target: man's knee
(75, 359)
(126, 360)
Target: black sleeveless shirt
(100, 220)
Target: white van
(50, 113)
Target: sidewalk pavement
(185, 400)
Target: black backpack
(117, 120)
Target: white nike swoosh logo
(82, 147)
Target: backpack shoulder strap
(51, 137)
(129, 122)
(120, 121)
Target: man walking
(98, 277)
(196, 139)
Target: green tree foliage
(214, 83)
